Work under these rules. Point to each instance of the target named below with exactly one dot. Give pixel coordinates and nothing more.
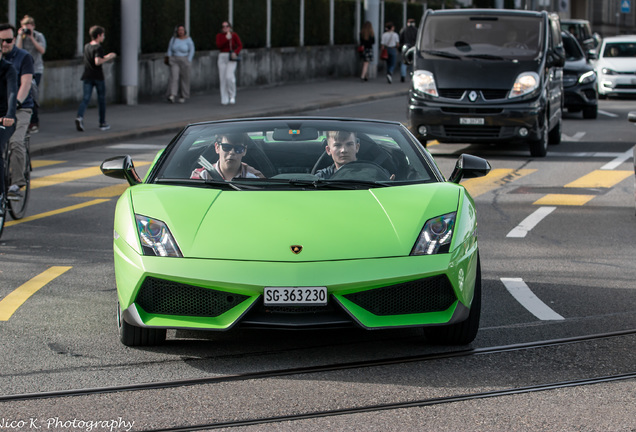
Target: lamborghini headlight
(525, 83)
(424, 82)
(436, 235)
(155, 238)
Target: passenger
(231, 149)
(343, 147)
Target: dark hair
(7, 26)
(176, 29)
(96, 31)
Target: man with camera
(34, 43)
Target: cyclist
(8, 92)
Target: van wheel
(554, 137)
(539, 148)
(590, 112)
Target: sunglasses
(9, 40)
(238, 149)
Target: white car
(616, 66)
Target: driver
(231, 149)
(343, 147)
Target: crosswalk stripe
(564, 199)
(496, 178)
(68, 176)
(40, 163)
(600, 179)
(55, 212)
(105, 192)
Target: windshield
(494, 37)
(620, 49)
(298, 153)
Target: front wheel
(131, 335)
(18, 204)
(539, 148)
(590, 112)
(463, 332)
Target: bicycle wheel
(18, 205)
(3, 204)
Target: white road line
(576, 137)
(530, 222)
(125, 146)
(522, 293)
(619, 160)
(609, 114)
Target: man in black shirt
(8, 91)
(94, 77)
(408, 37)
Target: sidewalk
(58, 133)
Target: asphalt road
(557, 239)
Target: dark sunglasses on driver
(238, 149)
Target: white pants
(227, 70)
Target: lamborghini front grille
(419, 296)
(158, 296)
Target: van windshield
(487, 37)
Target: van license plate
(295, 296)
(471, 121)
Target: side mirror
(469, 166)
(121, 167)
(408, 55)
(556, 57)
(632, 116)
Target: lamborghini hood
(274, 225)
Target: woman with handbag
(179, 58)
(367, 39)
(230, 46)
(390, 42)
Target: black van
(487, 75)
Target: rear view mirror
(121, 167)
(469, 166)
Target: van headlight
(525, 83)
(424, 82)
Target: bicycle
(18, 204)
(15, 206)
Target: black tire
(463, 332)
(554, 137)
(17, 208)
(590, 112)
(133, 336)
(3, 214)
(539, 148)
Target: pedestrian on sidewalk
(367, 40)
(23, 64)
(93, 76)
(230, 46)
(180, 54)
(390, 41)
(408, 37)
(34, 43)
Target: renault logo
(296, 249)
(472, 96)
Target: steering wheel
(361, 170)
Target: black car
(579, 80)
(487, 76)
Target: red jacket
(223, 43)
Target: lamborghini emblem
(296, 249)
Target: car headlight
(155, 238)
(436, 235)
(608, 71)
(587, 77)
(525, 83)
(424, 82)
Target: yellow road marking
(564, 199)
(105, 192)
(600, 179)
(16, 298)
(496, 178)
(54, 212)
(70, 176)
(39, 163)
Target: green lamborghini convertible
(296, 223)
